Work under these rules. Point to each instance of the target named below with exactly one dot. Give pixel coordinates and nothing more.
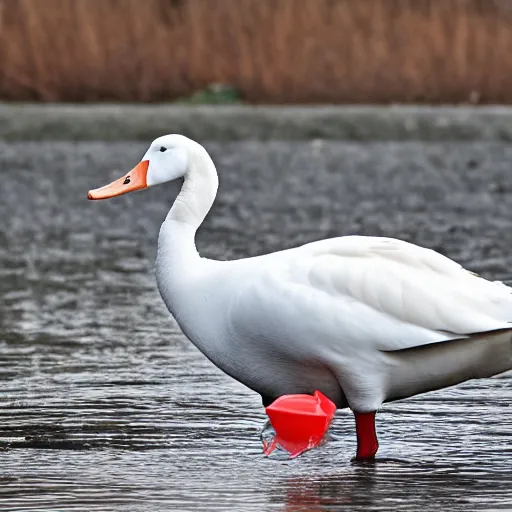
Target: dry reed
(273, 51)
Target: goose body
(364, 320)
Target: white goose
(364, 320)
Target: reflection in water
(386, 486)
(105, 405)
(341, 488)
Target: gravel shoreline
(109, 122)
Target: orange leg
(367, 443)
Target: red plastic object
(300, 422)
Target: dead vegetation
(272, 51)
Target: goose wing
(367, 292)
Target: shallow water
(105, 405)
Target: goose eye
(162, 149)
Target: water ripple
(105, 405)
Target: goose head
(167, 158)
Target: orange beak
(134, 180)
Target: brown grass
(273, 51)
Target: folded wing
(371, 292)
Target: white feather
(357, 317)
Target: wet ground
(104, 405)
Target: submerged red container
(300, 422)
